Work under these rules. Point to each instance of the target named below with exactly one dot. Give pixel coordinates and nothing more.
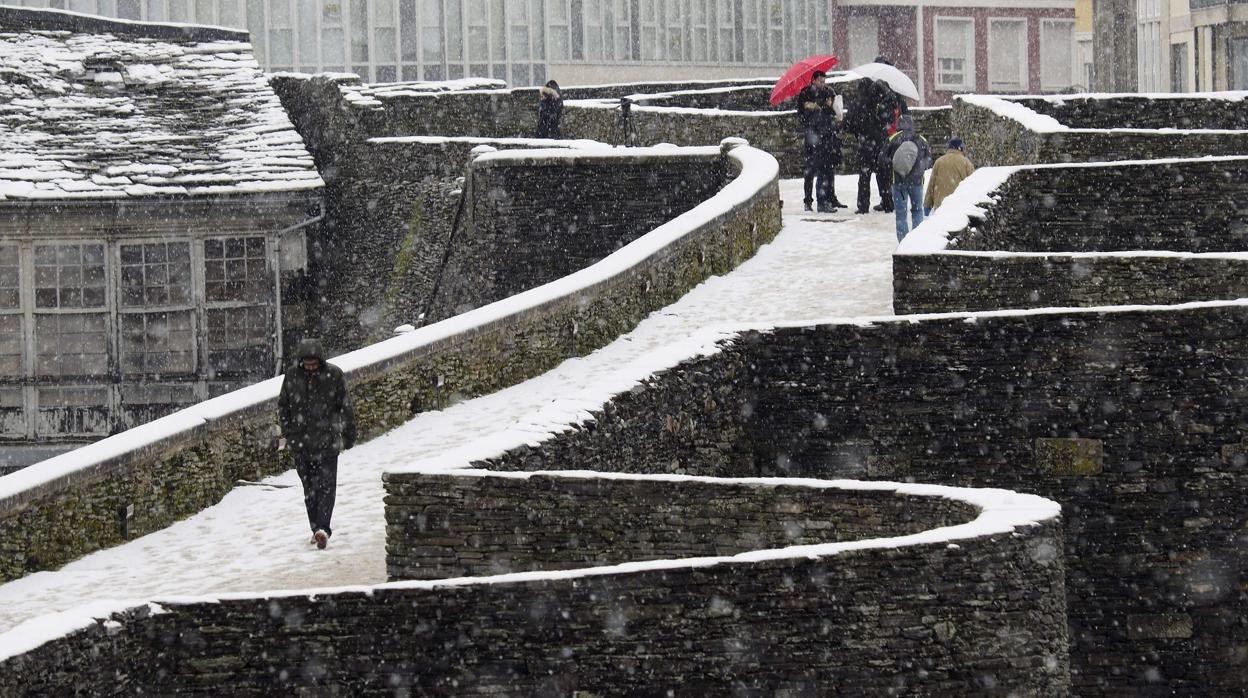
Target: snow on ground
(256, 539)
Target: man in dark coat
(817, 118)
(317, 423)
(907, 156)
(549, 110)
(869, 120)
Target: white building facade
(524, 42)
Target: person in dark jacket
(549, 110)
(817, 117)
(317, 423)
(907, 156)
(869, 119)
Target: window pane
(1057, 45)
(11, 342)
(10, 277)
(157, 343)
(236, 271)
(71, 345)
(1007, 44)
(239, 342)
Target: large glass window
(651, 43)
(10, 277)
(71, 344)
(674, 27)
(1148, 44)
(235, 270)
(239, 340)
(701, 38)
(559, 30)
(726, 42)
(1007, 55)
(753, 29)
(955, 53)
(281, 36)
(333, 35)
(1057, 54)
(593, 22)
(69, 276)
(156, 278)
(1237, 63)
(775, 32)
(11, 340)
(431, 50)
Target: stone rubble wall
(1143, 112)
(992, 139)
(106, 499)
(440, 526)
(1195, 207)
(1135, 421)
(983, 616)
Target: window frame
(1023, 82)
(969, 67)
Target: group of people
(889, 150)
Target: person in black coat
(317, 422)
(549, 110)
(817, 118)
(869, 119)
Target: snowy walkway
(256, 539)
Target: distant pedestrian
(549, 110)
(816, 113)
(908, 156)
(317, 423)
(948, 171)
(869, 117)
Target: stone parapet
(972, 607)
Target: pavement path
(256, 538)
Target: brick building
(983, 46)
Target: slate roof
(98, 108)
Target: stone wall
(1135, 421)
(114, 490)
(980, 616)
(1228, 111)
(476, 523)
(994, 139)
(1181, 227)
(532, 220)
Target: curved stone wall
(146, 478)
(1132, 418)
(965, 597)
(1003, 130)
(1154, 232)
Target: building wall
(524, 42)
(117, 314)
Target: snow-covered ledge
(837, 608)
(1009, 237)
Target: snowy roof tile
(98, 108)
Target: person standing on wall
(317, 423)
(549, 110)
(908, 156)
(816, 114)
(869, 118)
(947, 173)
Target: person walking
(549, 110)
(816, 114)
(908, 156)
(948, 171)
(317, 423)
(869, 118)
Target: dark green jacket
(314, 408)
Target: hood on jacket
(310, 349)
(905, 123)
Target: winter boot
(321, 538)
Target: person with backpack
(907, 156)
(816, 115)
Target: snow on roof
(99, 109)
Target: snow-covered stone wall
(147, 477)
(1154, 232)
(1131, 418)
(1001, 130)
(959, 594)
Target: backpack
(904, 158)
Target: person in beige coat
(950, 169)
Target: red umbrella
(798, 77)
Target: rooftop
(95, 108)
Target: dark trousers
(318, 471)
(883, 178)
(822, 180)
